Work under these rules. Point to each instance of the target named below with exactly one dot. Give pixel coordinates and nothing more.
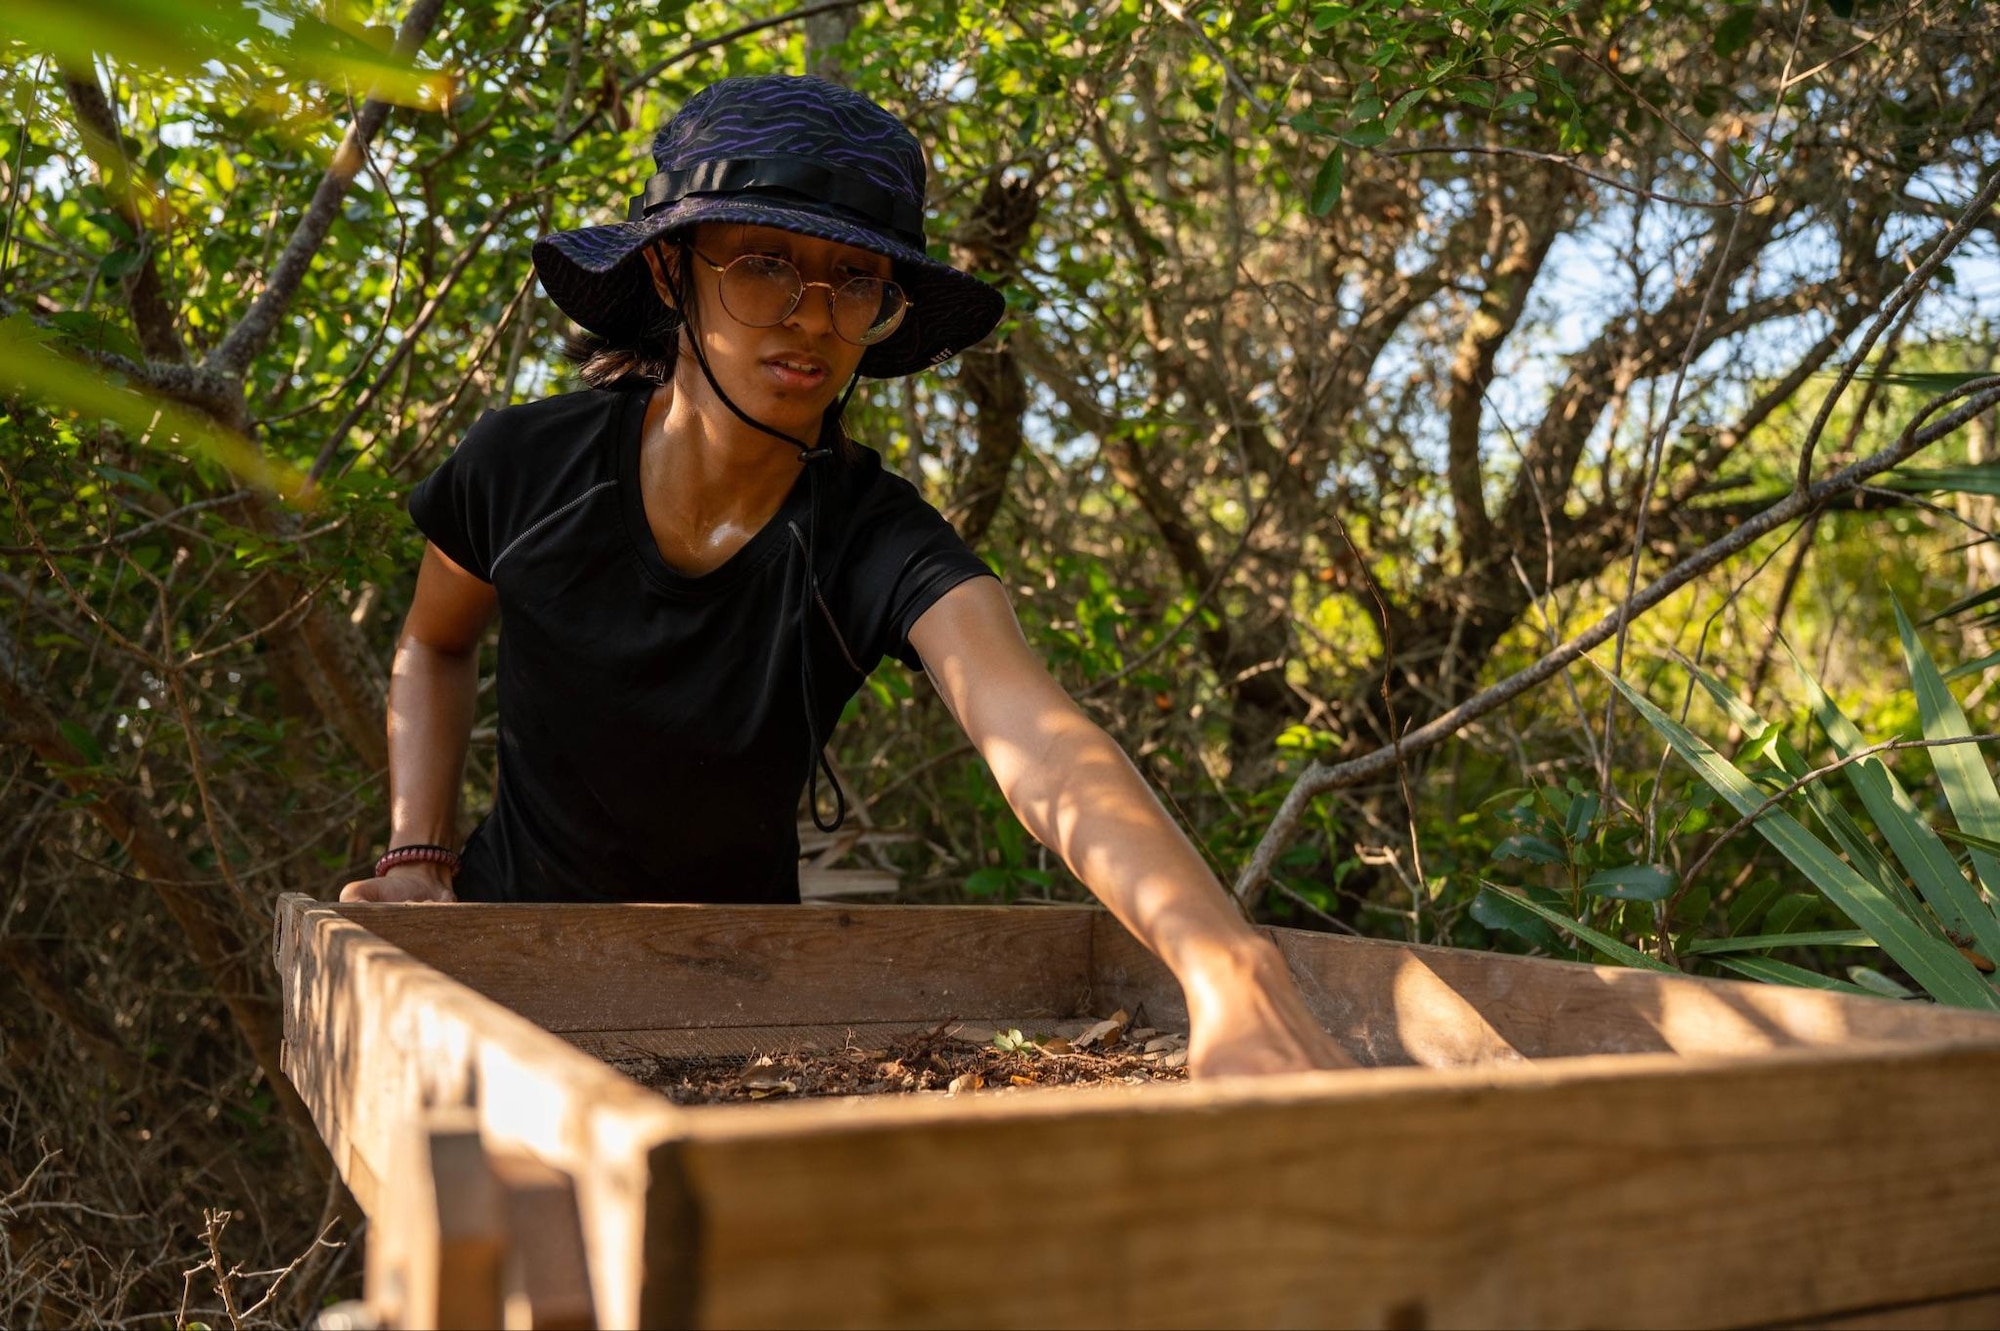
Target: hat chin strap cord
(817, 762)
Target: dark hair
(650, 357)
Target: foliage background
(1358, 354)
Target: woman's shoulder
(565, 418)
(569, 435)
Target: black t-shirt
(652, 727)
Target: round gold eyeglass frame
(870, 337)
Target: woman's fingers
(397, 887)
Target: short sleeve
(454, 506)
(905, 557)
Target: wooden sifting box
(1531, 1143)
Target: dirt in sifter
(952, 1059)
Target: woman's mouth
(799, 372)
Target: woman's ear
(665, 266)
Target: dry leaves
(952, 1060)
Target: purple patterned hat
(797, 153)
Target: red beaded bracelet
(444, 855)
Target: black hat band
(800, 175)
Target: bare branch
(1319, 777)
(235, 352)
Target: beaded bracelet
(444, 855)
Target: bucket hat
(793, 152)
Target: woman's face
(788, 374)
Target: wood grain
(1398, 1004)
(377, 1042)
(597, 968)
(1682, 1151)
(1608, 1191)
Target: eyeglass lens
(762, 290)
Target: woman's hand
(1248, 1017)
(405, 882)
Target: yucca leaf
(1604, 943)
(1780, 972)
(1984, 480)
(1760, 942)
(1934, 963)
(1967, 668)
(1963, 604)
(1859, 847)
(1929, 861)
(1970, 841)
(1961, 768)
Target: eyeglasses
(762, 290)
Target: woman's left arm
(1077, 793)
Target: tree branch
(1978, 397)
(235, 352)
(145, 294)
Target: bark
(145, 294)
(1518, 244)
(992, 241)
(825, 31)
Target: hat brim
(598, 277)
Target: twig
(1911, 288)
(1656, 449)
(1568, 164)
(127, 537)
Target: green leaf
(1327, 184)
(1401, 108)
(1917, 845)
(1530, 848)
(1780, 972)
(1934, 963)
(1604, 943)
(82, 741)
(1875, 982)
(1734, 32)
(1979, 480)
(1503, 912)
(1761, 942)
(987, 882)
(1961, 768)
(1966, 669)
(1633, 882)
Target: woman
(698, 569)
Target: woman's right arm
(432, 690)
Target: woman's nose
(814, 312)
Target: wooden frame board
(1537, 1143)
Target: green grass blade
(1933, 963)
(1703, 947)
(1779, 972)
(1604, 943)
(1923, 853)
(1961, 768)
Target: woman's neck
(709, 481)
